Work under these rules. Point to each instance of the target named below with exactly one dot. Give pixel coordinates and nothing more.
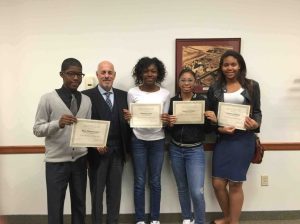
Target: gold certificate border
(89, 144)
(157, 124)
(222, 105)
(202, 102)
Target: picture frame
(203, 57)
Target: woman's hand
(226, 130)
(210, 115)
(250, 124)
(102, 150)
(127, 115)
(172, 120)
(165, 118)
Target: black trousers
(107, 175)
(58, 177)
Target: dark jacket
(216, 92)
(120, 99)
(189, 133)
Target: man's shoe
(154, 222)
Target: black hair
(187, 70)
(144, 63)
(70, 62)
(241, 76)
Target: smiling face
(230, 68)
(186, 82)
(72, 77)
(106, 75)
(150, 75)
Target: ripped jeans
(188, 166)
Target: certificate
(145, 115)
(233, 115)
(89, 133)
(189, 112)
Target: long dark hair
(241, 76)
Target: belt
(186, 145)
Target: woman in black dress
(234, 148)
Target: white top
(162, 96)
(234, 97)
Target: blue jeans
(188, 166)
(147, 154)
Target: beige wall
(35, 36)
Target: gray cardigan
(57, 140)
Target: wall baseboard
(164, 217)
(38, 149)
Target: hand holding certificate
(189, 112)
(233, 115)
(145, 115)
(89, 133)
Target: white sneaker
(187, 221)
(154, 222)
(141, 222)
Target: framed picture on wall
(203, 57)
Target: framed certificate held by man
(189, 112)
(145, 115)
(233, 115)
(89, 133)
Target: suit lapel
(117, 102)
(99, 102)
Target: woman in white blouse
(148, 143)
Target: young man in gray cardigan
(65, 165)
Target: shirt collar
(193, 97)
(67, 91)
(103, 91)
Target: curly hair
(241, 76)
(143, 64)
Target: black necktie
(73, 107)
(108, 100)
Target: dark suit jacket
(120, 99)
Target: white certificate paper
(145, 115)
(230, 114)
(89, 133)
(189, 112)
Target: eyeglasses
(73, 74)
(189, 81)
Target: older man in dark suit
(106, 163)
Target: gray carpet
(271, 217)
